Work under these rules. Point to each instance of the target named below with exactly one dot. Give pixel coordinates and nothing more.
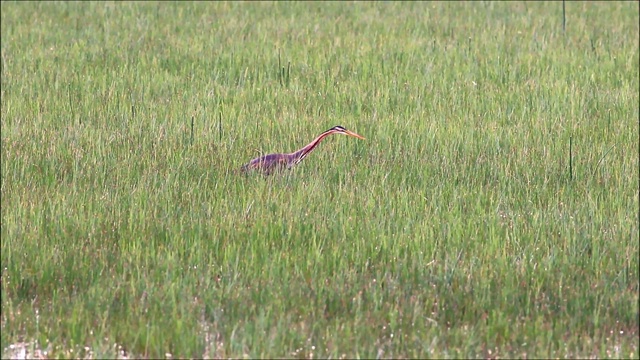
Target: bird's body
(273, 162)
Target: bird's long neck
(302, 153)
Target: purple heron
(272, 162)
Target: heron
(273, 162)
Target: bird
(268, 164)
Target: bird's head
(341, 130)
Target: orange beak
(351, 133)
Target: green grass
(453, 230)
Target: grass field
(492, 210)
